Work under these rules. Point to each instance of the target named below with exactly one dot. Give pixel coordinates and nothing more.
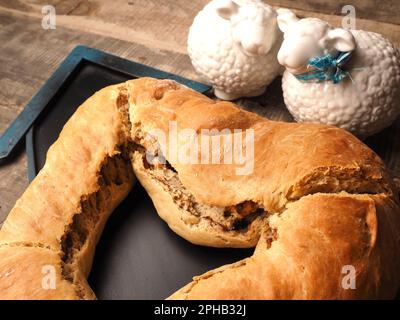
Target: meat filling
(232, 218)
(242, 214)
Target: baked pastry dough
(317, 201)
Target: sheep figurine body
(233, 46)
(365, 101)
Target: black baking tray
(138, 256)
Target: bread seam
(372, 186)
(195, 215)
(68, 257)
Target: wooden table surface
(152, 32)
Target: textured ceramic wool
(365, 106)
(223, 62)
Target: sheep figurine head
(346, 78)
(233, 45)
(308, 38)
(251, 25)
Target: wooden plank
(162, 24)
(159, 24)
(376, 10)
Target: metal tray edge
(67, 67)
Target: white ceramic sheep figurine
(364, 65)
(233, 45)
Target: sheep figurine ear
(226, 8)
(285, 18)
(341, 39)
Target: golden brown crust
(23, 272)
(287, 156)
(92, 134)
(329, 201)
(317, 236)
(84, 178)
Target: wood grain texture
(163, 24)
(152, 32)
(377, 10)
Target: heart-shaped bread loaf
(316, 202)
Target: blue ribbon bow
(327, 68)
